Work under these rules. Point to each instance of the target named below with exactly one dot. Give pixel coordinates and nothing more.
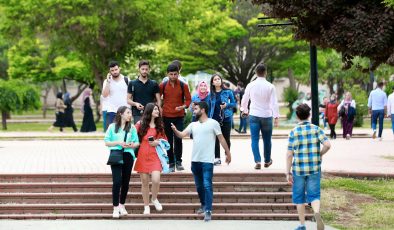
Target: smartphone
(151, 138)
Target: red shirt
(173, 99)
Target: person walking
(104, 109)
(221, 102)
(303, 164)
(121, 135)
(204, 132)
(176, 98)
(115, 89)
(59, 108)
(200, 95)
(390, 108)
(377, 105)
(179, 65)
(263, 110)
(332, 115)
(150, 130)
(322, 110)
(243, 120)
(88, 124)
(68, 113)
(142, 91)
(347, 111)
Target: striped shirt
(304, 141)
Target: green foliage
(290, 95)
(188, 118)
(361, 98)
(17, 96)
(389, 88)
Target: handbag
(116, 155)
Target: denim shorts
(306, 189)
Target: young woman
(332, 115)
(221, 104)
(88, 124)
(349, 106)
(59, 107)
(200, 95)
(68, 113)
(114, 139)
(150, 129)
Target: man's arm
(158, 99)
(178, 133)
(289, 161)
(225, 146)
(105, 91)
(130, 99)
(275, 107)
(326, 147)
(245, 100)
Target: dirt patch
(343, 208)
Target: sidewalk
(90, 156)
(151, 224)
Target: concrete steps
(237, 196)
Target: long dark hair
(147, 117)
(118, 119)
(212, 86)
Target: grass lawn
(358, 204)
(40, 127)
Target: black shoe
(179, 166)
(208, 216)
(237, 130)
(172, 168)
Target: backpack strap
(126, 80)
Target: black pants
(175, 151)
(226, 131)
(121, 179)
(333, 134)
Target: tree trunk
(292, 80)
(4, 119)
(96, 98)
(81, 88)
(45, 105)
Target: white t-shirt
(204, 137)
(117, 94)
(104, 103)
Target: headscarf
(202, 95)
(59, 95)
(67, 99)
(86, 94)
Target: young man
(239, 93)
(115, 90)
(304, 157)
(142, 91)
(204, 131)
(176, 98)
(390, 108)
(377, 103)
(179, 65)
(263, 109)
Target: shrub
(290, 95)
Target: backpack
(182, 87)
(126, 80)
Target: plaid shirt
(304, 141)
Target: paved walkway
(151, 225)
(90, 156)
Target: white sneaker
(348, 137)
(380, 138)
(157, 205)
(374, 134)
(115, 214)
(122, 210)
(146, 210)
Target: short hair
(240, 83)
(303, 111)
(172, 68)
(261, 69)
(177, 63)
(203, 105)
(227, 84)
(113, 64)
(143, 62)
(380, 84)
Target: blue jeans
(110, 119)
(375, 115)
(104, 119)
(243, 124)
(392, 122)
(203, 173)
(263, 125)
(323, 118)
(306, 184)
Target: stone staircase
(252, 196)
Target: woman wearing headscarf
(68, 113)
(59, 108)
(347, 112)
(88, 124)
(200, 95)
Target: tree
(354, 28)
(16, 97)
